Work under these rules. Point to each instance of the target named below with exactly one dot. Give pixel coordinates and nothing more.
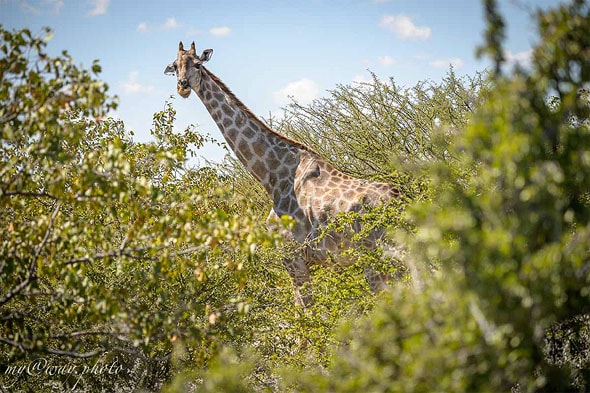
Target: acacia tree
(410, 125)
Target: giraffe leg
(294, 263)
(377, 281)
(299, 272)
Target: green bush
(112, 252)
(510, 243)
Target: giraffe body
(301, 184)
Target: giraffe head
(187, 68)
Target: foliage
(282, 336)
(410, 125)
(494, 36)
(123, 268)
(510, 243)
(106, 243)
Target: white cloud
(445, 63)
(421, 56)
(220, 31)
(42, 6)
(133, 86)
(100, 7)
(28, 8)
(403, 27)
(386, 61)
(303, 91)
(170, 24)
(142, 27)
(521, 58)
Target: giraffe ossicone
(301, 184)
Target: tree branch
(79, 355)
(12, 344)
(132, 253)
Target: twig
(78, 355)
(12, 344)
(27, 194)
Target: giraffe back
(323, 192)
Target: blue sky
(266, 51)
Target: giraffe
(301, 184)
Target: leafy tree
(110, 250)
(410, 125)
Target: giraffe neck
(267, 155)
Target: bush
(112, 252)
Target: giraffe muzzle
(183, 83)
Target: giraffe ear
(170, 69)
(206, 55)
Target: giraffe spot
(245, 149)
(356, 207)
(342, 206)
(330, 196)
(290, 160)
(240, 120)
(283, 173)
(348, 194)
(285, 185)
(248, 132)
(299, 215)
(293, 204)
(219, 96)
(227, 109)
(259, 169)
(209, 96)
(322, 179)
(227, 122)
(276, 195)
(213, 104)
(333, 183)
(232, 133)
(272, 161)
(260, 147)
(231, 142)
